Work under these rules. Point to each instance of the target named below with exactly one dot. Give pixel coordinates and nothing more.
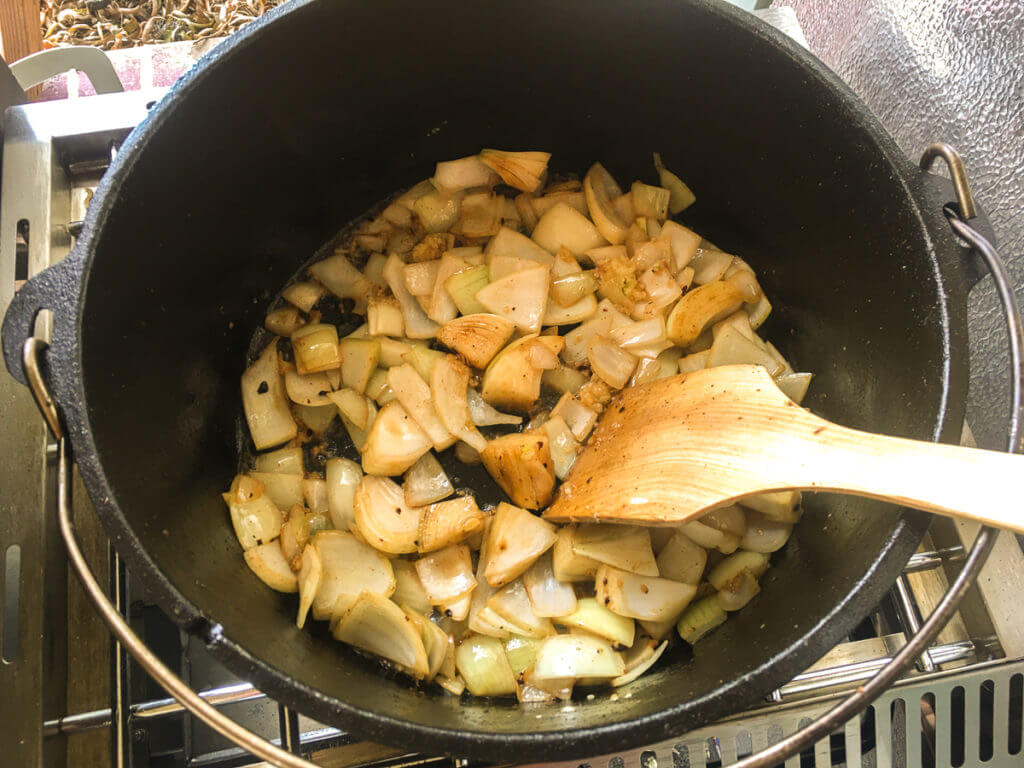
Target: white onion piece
(438, 210)
(304, 295)
(562, 444)
(349, 567)
(710, 265)
(610, 362)
(699, 308)
(284, 321)
(582, 310)
(647, 369)
(650, 201)
(658, 630)
(592, 616)
(520, 297)
(409, 592)
(447, 574)
(466, 453)
(649, 661)
(377, 388)
(268, 562)
(449, 522)
(449, 382)
(732, 347)
(340, 277)
(642, 597)
(756, 563)
(759, 312)
(480, 215)
(522, 170)
(710, 538)
(458, 609)
(294, 533)
(464, 173)
(794, 385)
(565, 226)
(681, 559)
(763, 534)
(377, 625)
(415, 396)
(315, 418)
(627, 547)
(598, 256)
(515, 540)
(435, 641)
(419, 279)
(730, 519)
(310, 575)
(442, 307)
(284, 461)
(311, 389)
(683, 243)
(640, 333)
(511, 244)
(698, 361)
(477, 337)
(579, 418)
(356, 435)
(255, 521)
(359, 358)
(549, 597)
(783, 506)
(563, 379)
(512, 604)
(265, 403)
(392, 351)
(426, 482)
(521, 652)
(576, 656)
(739, 592)
(739, 320)
(569, 565)
(700, 618)
(353, 406)
(483, 415)
(482, 663)
(607, 318)
(384, 518)
(511, 381)
(394, 443)
(314, 493)
(384, 316)
(417, 324)
(600, 189)
(646, 255)
(502, 266)
(477, 619)
(680, 196)
(283, 490)
(521, 464)
(661, 288)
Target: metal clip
(957, 172)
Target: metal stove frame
(54, 153)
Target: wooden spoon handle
(967, 483)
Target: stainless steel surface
(814, 691)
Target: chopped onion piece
(650, 201)
(442, 308)
(576, 656)
(640, 333)
(438, 210)
(349, 567)
(426, 482)
(343, 478)
(699, 308)
(647, 369)
(384, 316)
(521, 464)
(604, 320)
(316, 348)
(283, 490)
(268, 562)
(510, 380)
(700, 618)
(595, 618)
(254, 521)
(353, 406)
(483, 665)
(549, 597)
(642, 597)
(414, 394)
(265, 403)
(763, 534)
(447, 574)
(358, 436)
(449, 382)
(409, 592)
(732, 347)
(738, 592)
(600, 189)
(480, 215)
(710, 538)
(563, 446)
(648, 662)
(310, 575)
(512, 605)
(311, 389)
(661, 288)
(515, 540)
(627, 547)
(575, 200)
(521, 652)
(304, 295)
(569, 289)
(294, 533)
(394, 443)
(759, 312)
(698, 361)
(477, 337)
(783, 506)
(598, 256)
(435, 641)
(340, 277)
(794, 385)
(384, 518)
(423, 359)
(284, 321)
(463, 287)
(464, 173)
(609, 361)
(316, 418)
(680, 196)
(466, 454)
(377, 388)
(582, 310)
(512, 244)
(527, 215)
(682, 242)
(417, 324)
(777, 356)
(521, 297)
(483, 415)
(565, 226)
(377, 625)
(449, 522)
(756, 563)
(617, 282)
(563, 379)
(314, 491)
(710, 265)
(567, 563)
(579, 418)
(522, 170)
(681, 559)
(283, 461)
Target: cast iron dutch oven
(297, 125)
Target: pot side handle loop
(56, 289)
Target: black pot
(313, 113)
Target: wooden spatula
(675, 448)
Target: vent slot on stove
(10, 607)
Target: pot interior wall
(335, 106)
